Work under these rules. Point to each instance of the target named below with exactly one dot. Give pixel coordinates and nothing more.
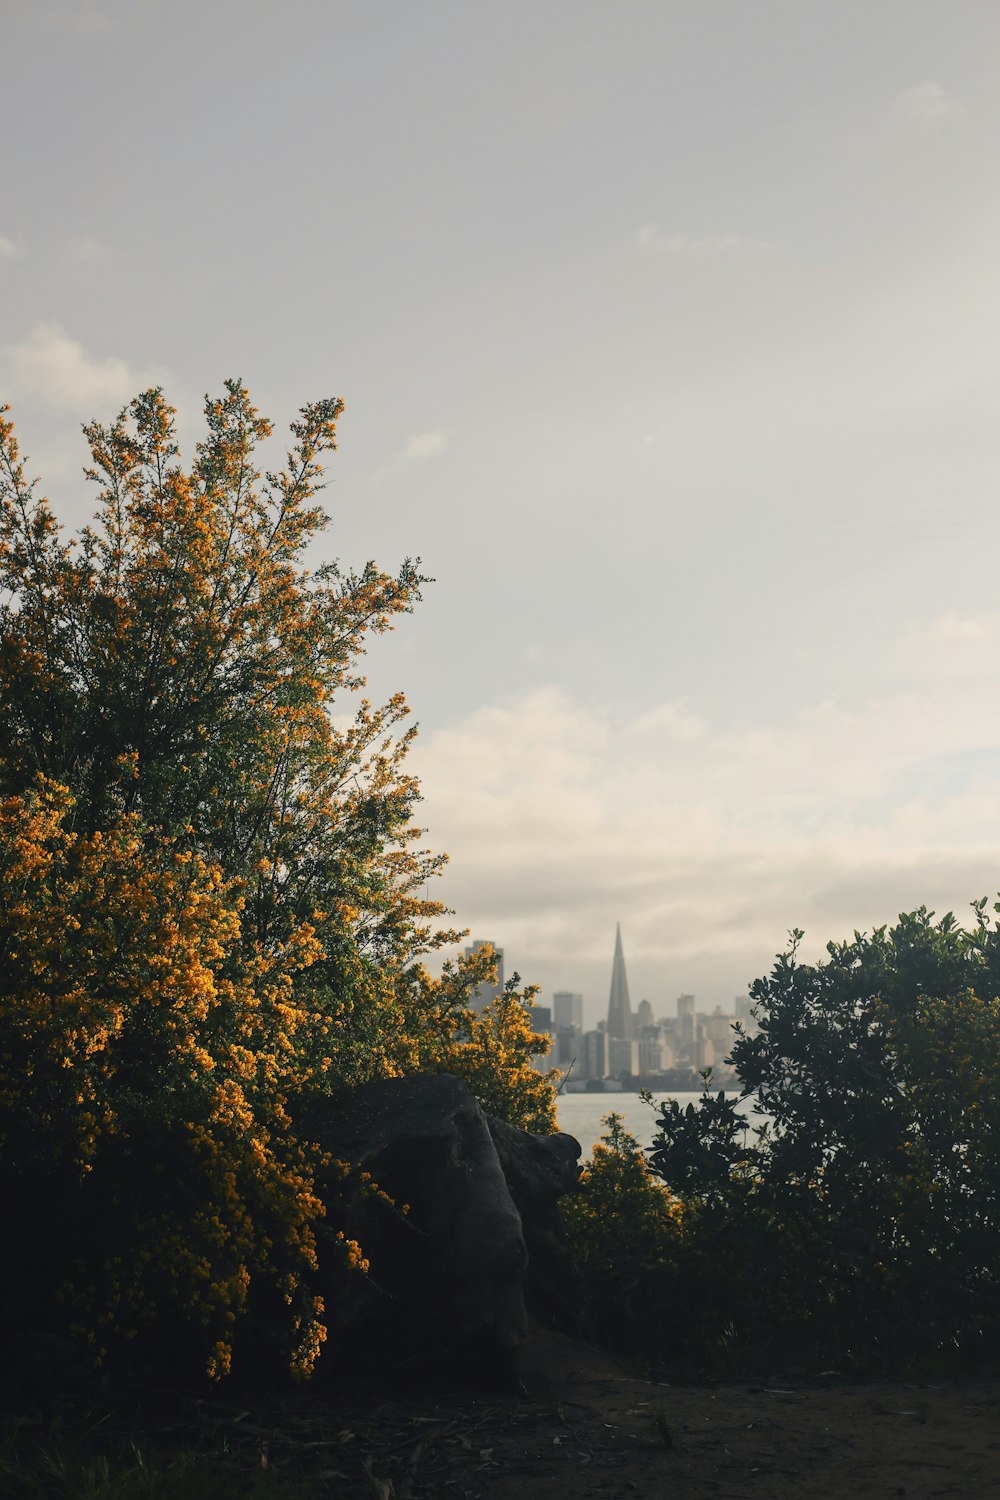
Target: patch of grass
(63, 1472)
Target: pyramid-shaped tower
(620, 1022)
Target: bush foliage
(627, 1233)
(213, 909)
(858, 1224)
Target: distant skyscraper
(620, 1023)
(686, 1028)
(623, 1057)
(487, 993)
(567, 1010)
(569, 1044)
(595, 1054)
(650, 1056)
(541, 1021)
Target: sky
(669, 336)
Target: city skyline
(595, 1010)
(640, 1049)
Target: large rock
(538, 1171)
(480, 1229)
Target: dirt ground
(587, 1428)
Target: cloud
(57, 370)
(420, 448)
(670, 721)
(425, 445)
(10, 249)
(701, 245)
(959, 630)
(82, 250)
(926, 109)
(949, 647)
(710, 841)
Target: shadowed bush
(858, 1226)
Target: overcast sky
(670, 339)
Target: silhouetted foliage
(860, 1222)
(856, 1225)
(626, 1234)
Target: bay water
(581, 1115)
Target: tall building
(567, 1010)
(719, 1030)
(595, 1054)
(541, 1022)
(620, 1022)
(650, 1056)
(541, 1019)
(623, 1057)
(704, 1050)
(486, 993)
(686, 1033)
(569, 1044)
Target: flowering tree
(211, 894)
